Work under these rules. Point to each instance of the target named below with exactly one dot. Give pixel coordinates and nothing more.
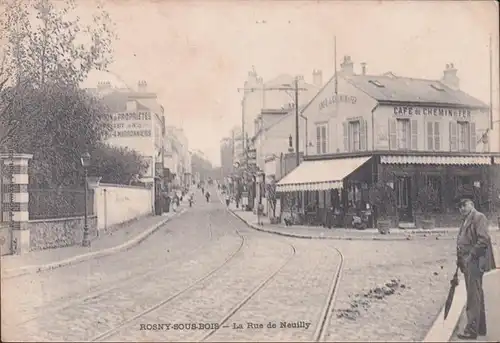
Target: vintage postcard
(251, 171)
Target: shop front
(336, 192)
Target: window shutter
(318, 140)
(414, 134)
(453, 137)
(362, 135)
(346, 137)
(393, 144)
(430, 136)
(437, 137)
(323, 139)
(473, 136)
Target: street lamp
(85, 159)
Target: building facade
(402, 132)
(177, 157)
(259, 95)
(138, 122)
(226, 156)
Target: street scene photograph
(249, 171)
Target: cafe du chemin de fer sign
(410, 111)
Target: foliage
(271, 196)
(54, 47)
(42, 110)
(494, 190)
(427, 199)
(56, 124)
(116, 165)
(202, 166)
(49, 56)
(383, 198)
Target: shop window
(433, 136)
(434, 181)
(402, 192)
(321, 138)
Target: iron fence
(59, 203)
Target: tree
(427, 196)
(57, 48)
(43, 110)
(116, 165)
(51, 51)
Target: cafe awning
(439, 160)
(320, 175)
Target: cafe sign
(410, 111)
(336, 99)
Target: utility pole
(297, 122)
(296, 89)
(491, 85)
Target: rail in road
(164, 302)
(62, 303)
(155, 312)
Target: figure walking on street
(474, 258)
(207, 195)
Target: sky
(195, 54)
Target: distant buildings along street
(137, 120)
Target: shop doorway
(403, 199)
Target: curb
(397, 237)
(442, 330)
(11, 273)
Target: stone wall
(58, 233)
(5, 239)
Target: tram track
(328, 308)
(102, 289)
(164, 302)
(249, 296)
(326, 315)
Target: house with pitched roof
(401, 131)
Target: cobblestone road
(388, 291)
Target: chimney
(347, 67)
(142, 86)
(363, 68)
(318, 78)
(450, 77)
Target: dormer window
(437, 87)
(376, 83)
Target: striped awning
(442, 160)
(319, 175)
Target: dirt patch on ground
(360, 302)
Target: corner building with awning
(403, 131)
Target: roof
(391, 88)
(117, 102)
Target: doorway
(403, 199)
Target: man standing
(474, 258)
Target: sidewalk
(117, 238)
(491, 284)
(318, 232)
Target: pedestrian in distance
(207, 195)
(228, 200)
(474, 258)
